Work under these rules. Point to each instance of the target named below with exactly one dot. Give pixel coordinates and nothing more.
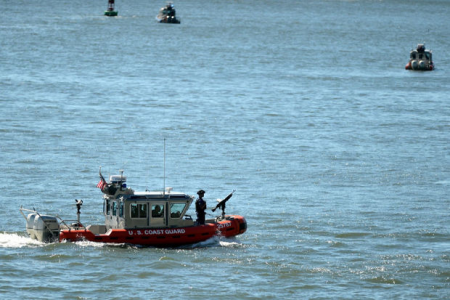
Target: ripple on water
(384, 280)
(351, 235)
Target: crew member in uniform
(200, 206)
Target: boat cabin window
(121, 210)
(176, 209)
(157, 211)
(413, 55)
(107, 208)
(142, 210)
(134, 210)
(420, 55)
(114, 208)
(138, 210)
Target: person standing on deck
(200, 207)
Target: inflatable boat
(420, 59)
(167, 14)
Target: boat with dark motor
(149, 218)
(167, 14)
(420, 59)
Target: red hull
(232, 226)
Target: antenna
(121, 179)
(164, 181)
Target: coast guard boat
(420, 59)
(167, 14)
(148, 218)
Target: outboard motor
(46, 228)
(422, 65)
(30, 224)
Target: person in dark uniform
(200, 207)
(171, 10)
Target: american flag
(102, 183)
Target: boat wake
(443, 182)
(217, 241)
(14, 240)
(231, 244)
(93, 244)
(211, 242)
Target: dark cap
(201, 192)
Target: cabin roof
(159, 196)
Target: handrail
(68, 227)
(21, 211)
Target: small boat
(110, 12)
(149, 218)
(420, 59)
(167, 14)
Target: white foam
(230, 242)
(209, 242)
(89, 244)
(13, 240)
(443, 182)
(218, 241)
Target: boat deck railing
(74, 226)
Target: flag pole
(164, 181)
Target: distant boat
(420, 59)
(110, 12)
(167, 14)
